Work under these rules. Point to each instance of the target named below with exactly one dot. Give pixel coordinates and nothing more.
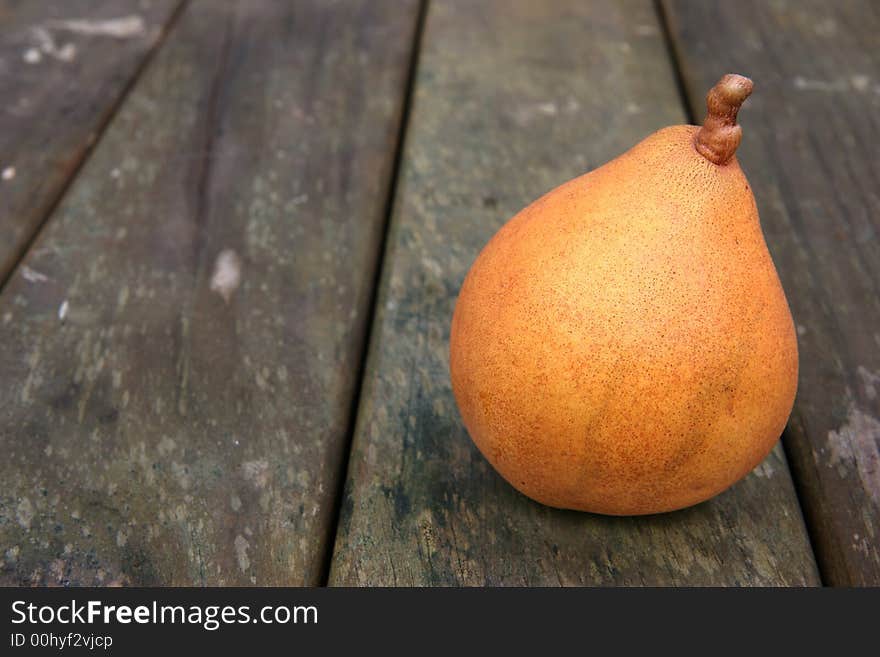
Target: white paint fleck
(8, 173)
(433, 266)
(12, 554)
(115, 172)
(524, 114)
(24, 513)
(633, 108)
(860, 82)
(181, 474)
(227, 274)
(32, 56)
(62, 310)
(805, 84)
(46, 43)
(241, 548)
(856, 447)
(121, 538)
(826, 27)
(765, 469)
(67, 52)
(801, 329)
(33, 276)
(235, 502)
(262, 378)
(56, 567)
(256, 472)
(166, 446)
(870, 381)
(122, 298)
(124, 27)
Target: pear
(623, 345)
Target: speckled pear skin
(623, 345)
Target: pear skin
(623, 345)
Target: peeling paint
(256, 472)
(24, 513)
(856, 447)
(241, 547)
(870, 382)
(47, 46)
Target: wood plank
(810, 141)
(64, 67)
(513, 98)
(158, 424)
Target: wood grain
(64, 67)
(513, 98)
(811, 131)
(180, 347)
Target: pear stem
(719, 137)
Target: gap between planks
(342, 474)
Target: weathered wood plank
(513, 98)
(810, 149)
(179, 357)
(64, 67)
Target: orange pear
(623, 345)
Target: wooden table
(232, 235)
